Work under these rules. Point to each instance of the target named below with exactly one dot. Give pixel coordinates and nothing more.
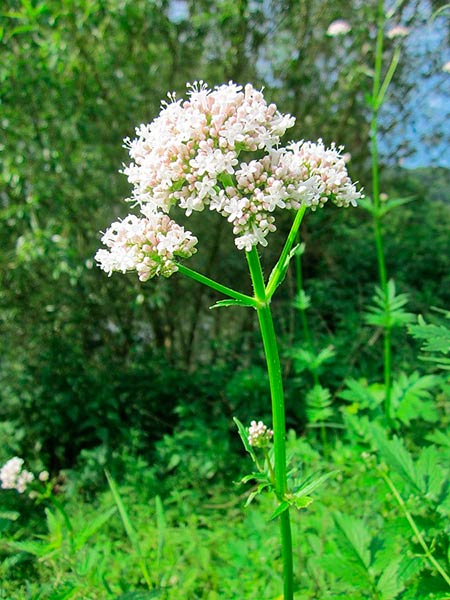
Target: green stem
(223, 289)
(278, 412)
(387, 375)
(269, 465)
(303, 316)
(414, 527)
(280, 268)
(378, 93)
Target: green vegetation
(126, 391)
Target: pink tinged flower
(148, 245)
(14, 477)
(397, 31)
(339, 27)
(259, 435)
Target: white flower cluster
(180, 157)
(189, 156)
(14, 477)
(259, 435)
(149, 245)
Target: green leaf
(231, 302)
(9, 515)
(299, 502)
(363, 395)
(160, 526)
(412, 398)
(318, 404)
(92, 527)
(368, 205)
(393, 203)
(139, 595)
(396, 456)
(433, 478)
(435, 338)
(312, 483)
(302, 301)
(278, 273)
(244, 437)
(354, 540)
(387, 309)
(389, 584)
(280, 510)
(129, 529)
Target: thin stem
(414, 527)
(378, 93)
(278, 412)
(223, 289)
(269, 465)
(387, 374)
(280, 267)
(302, 310)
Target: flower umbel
(219, 149)
(14, 477)
(148, 245)
(259, 435)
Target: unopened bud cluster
(259, 435)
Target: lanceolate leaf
(225, 303)
(244, 437)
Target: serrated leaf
(412, 399)
(389, 584)
(365, 395)
(396, 456)
(354, 542)
(440, 438)
(429, 472)
(435, 338)
(300, 502)
(318, 404)
(302, 301)
(387, 309)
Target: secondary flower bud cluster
(219, 149)
(149, 245)
(259, 435)
(14, 477)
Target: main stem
(376, 202)
(278, 413)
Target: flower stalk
(378, 94)
(278, 412)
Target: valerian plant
(220, 150)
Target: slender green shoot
(129, 529)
